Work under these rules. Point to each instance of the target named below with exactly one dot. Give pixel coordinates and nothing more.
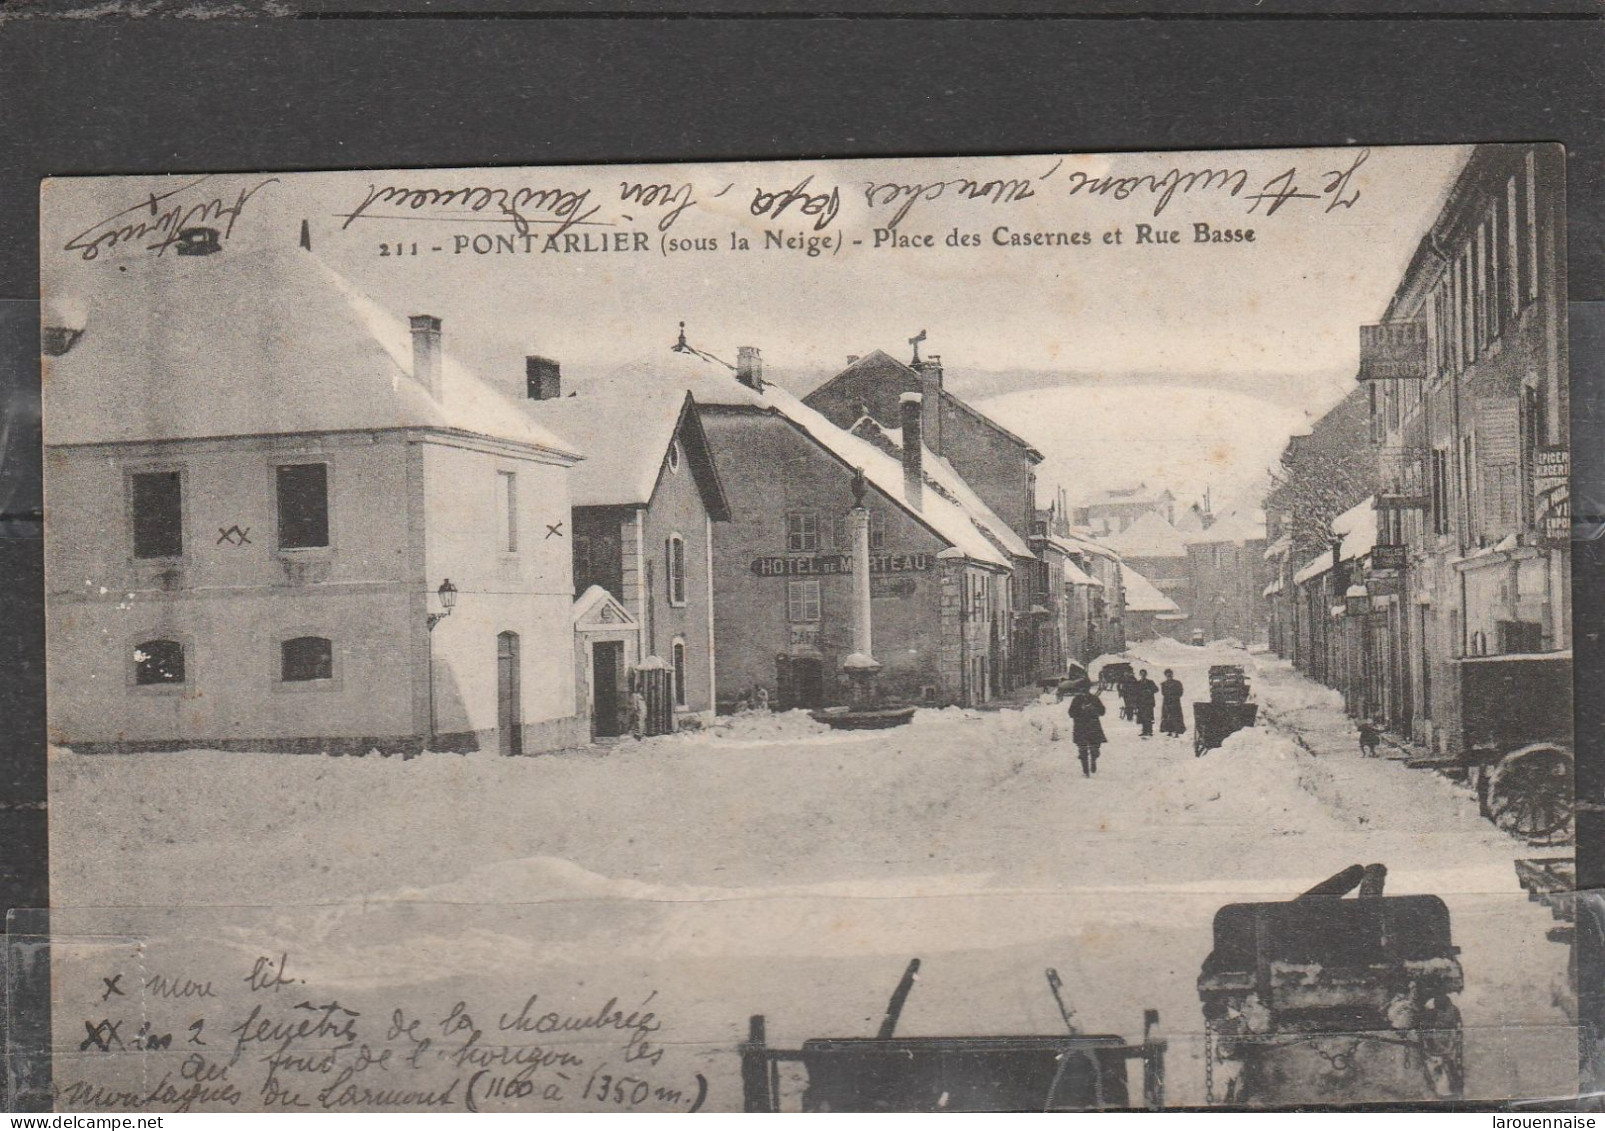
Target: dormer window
(674, 455)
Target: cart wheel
(1530, 792)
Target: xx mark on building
(234, 536)
(554, 528)
(112, 987)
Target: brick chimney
(543, 378)
(749, 367)
(913, 450)
(426, 359)
(930, 371)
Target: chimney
(913, 450)
(543, 378)
(426, 361)
(749, 367)
(930, 371)
(852, 359)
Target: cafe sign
(819, 565)
(1393, 351)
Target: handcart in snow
(1228, 710)
(1322, 999)
(1073, 1071)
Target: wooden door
(606, 658)
(509, 713)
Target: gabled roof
(1083, 539)
(1075, 575)
(1232, 527)
(1149, 536)
(712, 383)
(626, 438)
(596, 606)
(1141, 594)
(940, 475)
(887, 367)
(245, 343)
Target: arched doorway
(509, 712)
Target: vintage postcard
(1015, 633)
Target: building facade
(1464, 390)
(299, 524)
(645, 501)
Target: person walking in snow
(1085, 729)
(1171, 720)
(1143, 694)
(638, 715)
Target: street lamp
(448, 598)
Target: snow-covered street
(772, 866)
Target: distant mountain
(1184, 437)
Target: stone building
(940, 558)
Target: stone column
(860, 666)
(858, 526)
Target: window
(1496, 270)
(303, 506)
(679, 673)
(1512, 248)
(802, 602)
(306, 658)
(507, 510)
(158, 662)
(802, 532)
(674, 455)
(157, 505)
(1531, 184)
(674, 554)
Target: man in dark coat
(1143, 694)
(1171, 720)
(1085, 729)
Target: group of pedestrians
(1138, 697)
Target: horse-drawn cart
(1073, 1071)
(1228, 710)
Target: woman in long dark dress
(1085, 729)
(1171, 719)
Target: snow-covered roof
(712, 382)
(1279, 548)
(1149, 536)
(625, 437)
(1272, 589)
(878, 364)
(1075, 575)
(1141, 594)
(1357, 529)
(1126, 496)
(1233, 527)
(1084, 540)
(245, 343)
(941, 473)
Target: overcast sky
(1284, 308)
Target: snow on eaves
(252, 343)
(1141, 594)
(1357, 530)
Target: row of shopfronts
(1453, 567)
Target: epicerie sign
(838, 563)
